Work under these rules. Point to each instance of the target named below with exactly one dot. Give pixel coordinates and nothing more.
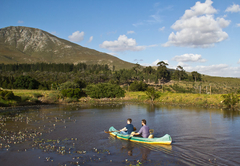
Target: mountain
(30, 45)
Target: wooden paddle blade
(134, 128)
(110, 131)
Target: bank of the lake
(184, 99)
(38, 97)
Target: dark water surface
(74, 135)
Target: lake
(74, 135)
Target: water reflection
(136, 149)
(199, 135)
(231, 115)
(129, 147)
(152, 108)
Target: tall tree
(196, 76)
(162, 71)
(148, 70)
(179, 72)
(136, 68)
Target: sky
(202, 36)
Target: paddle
(134, 129)
(110, 131)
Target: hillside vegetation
(30, 45)
(64, 83)
(51, 76)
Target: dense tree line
(53, 67)
(54, 76)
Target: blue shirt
(144, 131)
(129, 128)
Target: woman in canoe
(128, 129)
(144, 131)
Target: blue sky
(201, 36)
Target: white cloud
(239, 61)
(189, 58)
(222, 70)
(161, 29)
(198, 28)
(130, 32)
(90, 39)
(76, 36)
(123, 43)
(20, 22)
(182, 64)
(233, 9)
(156, 61)
(238, 25)
(200, 9)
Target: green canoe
(166, 139)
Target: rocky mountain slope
(31, 45)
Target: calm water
(74, 135)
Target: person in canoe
(128, 129)
(144, 131)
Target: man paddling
(144, 131)
(128, 129)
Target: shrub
(68, 85)
(37, 95)
(41, 87)
(25, 98)
(6, 95)
(152, 93)
(180, 89)
(81, 83)
(238, 91)
(230, 100)
(34, 100)
(70, 100)
(26, 82)
(53, 97)
(73, 93)
(138, 86)
(105, 90)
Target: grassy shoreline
(39, 97)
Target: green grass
(187, 99)
(218, 85)
(180, 98)
(31, 93)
